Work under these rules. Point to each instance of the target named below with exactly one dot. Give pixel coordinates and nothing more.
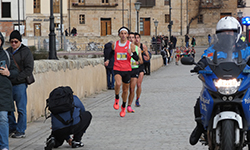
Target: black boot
(196, 134)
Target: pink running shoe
(123, 112)
(116, 104)
(130, 110)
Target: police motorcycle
(225, 96)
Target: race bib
(133, 63)
(121, 56)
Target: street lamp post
(137, 8)
(52, 35)
(156, 24)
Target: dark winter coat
(186, 38)
(24, 58)
(107, 50)
(6, 100)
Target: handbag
(30, 79)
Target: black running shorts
(124, 74)
(135, 73)
(142, 68)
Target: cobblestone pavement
(163, 122)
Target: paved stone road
(163, 122)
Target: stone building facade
(105, 17)
(37, 21)
(9, 16)
(204, 14)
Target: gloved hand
(200, 66)
(196, 69)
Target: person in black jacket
(8, 70)
(24, 61)
(109, 68)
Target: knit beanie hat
(16, 35)
(2, 39)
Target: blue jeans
(20, 96)
(110, 72)
(187, 44)
(4, 130)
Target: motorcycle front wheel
(227, 135)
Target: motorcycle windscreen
(226, 57)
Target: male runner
(123, 50)
(134, 72)
(146, 57)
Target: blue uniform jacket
(210, 51)
(56, 124)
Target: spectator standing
(147, 64)
(170, 50)
(24, 61)
(174, 42)
(193, 42)
(166, 41)
(163, 54)
(158, 43)
(66, 32)
(209, 38)
(187, 40)
(74, 31)
(7, 72)
(109, 68)
(154, 43)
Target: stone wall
(84, 76)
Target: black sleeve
(135, 56)
(111, 54)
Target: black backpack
(60, 100)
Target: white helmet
(229, 23)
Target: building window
(81, 1)
(105, 1)
(56, 25)
(167, 18)
(166, 2)
(56, 6)
(82, 19)
(36, 6)
(145, 26)
(6, 13)
(200, 19)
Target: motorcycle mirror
(187, 61)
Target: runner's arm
(146, 52)
(140, 61)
